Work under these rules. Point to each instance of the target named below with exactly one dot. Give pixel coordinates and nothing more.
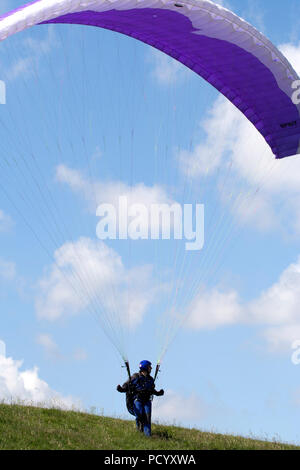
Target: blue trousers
(142, 413)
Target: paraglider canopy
(212, 41)
(219, 47)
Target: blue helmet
(144, 365)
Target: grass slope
(25, 427)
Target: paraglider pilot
(139, 390)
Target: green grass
(26, 427)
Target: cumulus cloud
(188, 409)
(141, 206)
(292, 52)
(88, 274)
(180, 408)
(279, 339)
(233, 151)
(166, 70)
(17, 385)
(275, 312)
(97, 192)
(211, 309)
(207, 156)
(263, 193)
(279, 305)
(49, 345)
(52, 351)
(32, 51)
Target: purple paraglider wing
(219, 46)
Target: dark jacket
(140, 387)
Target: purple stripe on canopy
(236, 73)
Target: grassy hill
(25, 427)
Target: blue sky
(91, 115)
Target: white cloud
(292, 52)
(79, 264)
(207, 156)
(17, 385)
(32, 51)
(52, 350)
(279, 339)
(50, 347)
(96, 192)
(166, 70)
(223, 3)
(41, 46)
(275, 312)
(191, 409)
(137, 196)
(89, 274)
(214, 308)
(233, 151)
(175, 407)
(279, 305)
(20, 68)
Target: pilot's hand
(160, 392)
(119, 388)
